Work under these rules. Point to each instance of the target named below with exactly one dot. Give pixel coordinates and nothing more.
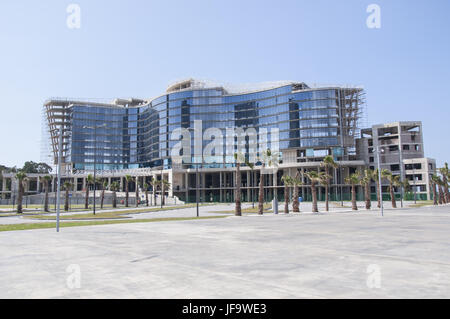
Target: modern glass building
(135, 135)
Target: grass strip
(111, 215)
(14, 227)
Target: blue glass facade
(139, 136)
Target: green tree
(353, 180)
(137, 190)
(67, 186)
(394, 180)
(89, 181)
(324, 180)
(165, 185)
(252, 167)
(31, 167)
(21, 179)
(445, 178)
(269, 159)
(296, 181)
(146, 186)
(239, 158)
(314, 178)
(365, 178)
(46, 181)
(328, 163)
(104, 187)
(155, 183)
(375, 177)
(128, 179)
(287, 181)
(114, 188)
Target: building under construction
(134, 136)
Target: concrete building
(134, 137)
(401, 151)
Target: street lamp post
(379, 180)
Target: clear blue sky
(135, 48)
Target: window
(393, 148)
(406, 147)
(371, 159)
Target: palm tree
(445, 176)
(146, 193)
(364, 179)
(296, 182)
(137, 190)
(375, 177)
(104, 187)
(394, 180)
(287, 181)
(327, 163)
(155, 183)
(89, 181)
(267, 158)
(21, 178)
(239, 158)
(314, 177)
(114, 188)
(433, 180)
(163, 191)
(440, 185)
(252, 167)
(46, 179)
(128, 179)
(261, 192)
(164, 185)
(325, 181)
(353, 180)
(67, 187)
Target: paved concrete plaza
(335, 255)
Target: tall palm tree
(314, 177)
(325, 181)
(104, 187)
(375, 177)
(440, 185)
(21, 178)
(165, 185)
(252, 167)
(146, 193)
(328, 163)
(267, 159)
(261, 191)
(445, 172)
(128, 179)
(67, 187)
(155, 183)
(46, 179)
(114, 188)
(353, 180)
(296, 182)
(137, 190)
(394, 180)
(364, 179)
(433, 179)
(239, 158)
(287, 181)
(89, 181)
